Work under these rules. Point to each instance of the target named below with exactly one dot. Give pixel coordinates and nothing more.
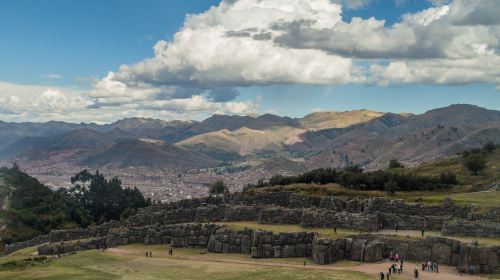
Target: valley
(171, 160)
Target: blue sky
(70, 45)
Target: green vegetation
(30, 208)
(33, 208)
(475, 160)
(354, 178)
(130, 263)
(105, 199)
(218, 187)
(474, 163)
(489, 175)
(394, 163)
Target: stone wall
(390, 220)
(326, 251)
(474, 259)
(66, 247)
(493, 215)
(262, 244)
(471, 228)
(372, 248)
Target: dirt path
(445, 273)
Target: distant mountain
(415, 139)
(82, 138)
(243, 141)
(325, 120)
(219, 122)
(332, 139)
(133, 152)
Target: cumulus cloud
(241, 43)
(245, 42)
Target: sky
(100, 61)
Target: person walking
(147, 254)
(335, 230)
(415, 272)
(150, 254)
(423, 232)
(382, 276)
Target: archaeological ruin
(190, 223)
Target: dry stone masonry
(190, 223)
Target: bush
(394, 163)
(475, 163)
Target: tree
(218, 187)
(489, 147)
(475, 163)
(394, 163)
(391, 186)
(106, 199)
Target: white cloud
(217, 48)
(246, 42)
(241, 108)
(52, 76)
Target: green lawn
(186, 264)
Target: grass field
(185, 264)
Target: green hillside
(454, 164)
(29, 208)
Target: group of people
(396, 266)
(430, 266)
(149, 254)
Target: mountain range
(323, 139)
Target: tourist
(335, 230)
(396, 258)
(423, 232)
(147, 254)
(437, 267)
(150, 254)
(429, 266)
(304, 263)
(401, 261)
(397, 227)
(382, 276)
(415, 272)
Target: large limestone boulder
(373, 251)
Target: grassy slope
(186, 264)
(454, 164)
(465, 193)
